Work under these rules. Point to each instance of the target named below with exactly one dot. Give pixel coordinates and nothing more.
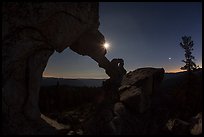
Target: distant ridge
(51, 81)
(169, 75)
(80, 82)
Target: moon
(169, 58)
(106, 45)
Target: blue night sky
(143, 34)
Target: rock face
(136, 91)
(190, 127)
(138, 86)
(197, 125)
(31, 32)
(130, 115)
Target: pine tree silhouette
(187, 45)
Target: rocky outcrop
(190, 127)
(31, 32)
(136, 92)
(196, 128)
(138, 87)
(132, 113)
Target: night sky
(143, 34)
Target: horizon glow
(144, 34)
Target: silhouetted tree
(187, 45)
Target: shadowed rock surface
(138, 87)
(31, 32)
(144, 109)
(127, 115)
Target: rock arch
(31, 32)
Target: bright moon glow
(106, 45)
(169, 58)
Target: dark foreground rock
(146, 106)
(130, 115)
(31, 32)
(138, 86)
